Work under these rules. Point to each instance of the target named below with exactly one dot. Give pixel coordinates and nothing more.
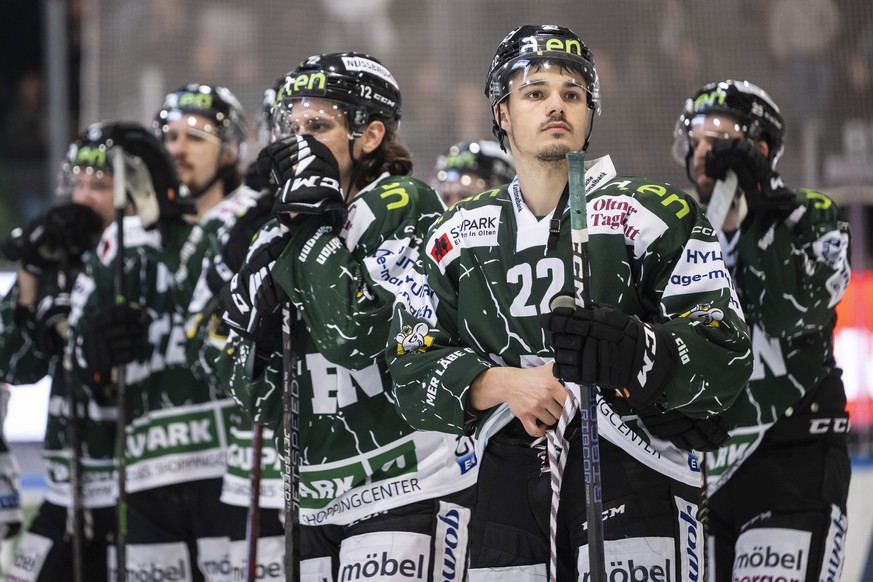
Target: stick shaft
(722, 198)
(291, 446)
(120, 196)
(587, 411)
(253, 524)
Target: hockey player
(377, 498)
(10, 487)
(176, 447)
(788, 251)
(51, 252)
(470, 167)
(665, 340)
(206, 337)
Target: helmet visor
(515, 74)
(713, 126)
(308, 116)
(175, 121)
(453, 185)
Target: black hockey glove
(257, 177)
(51, 323)
(308, 177)
(603, 346)
(689, 434)
(251, 302)
(762, 185)
(230, 260)
(115, 336)
(61, 234)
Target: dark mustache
(556, 119)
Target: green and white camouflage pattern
(175, 428)
(21, 362)
(791, 275)
(489, 275)
(358, 455)
(204, 345)
(10, 485)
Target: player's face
(94, 189)
(547, 116)
(324, 120)
(196, 149)
(706, 130)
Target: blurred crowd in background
(815, 57)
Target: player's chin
(704, 188)
(554, 152)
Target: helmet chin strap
(356, 165)
(498, 131)
(219, 174)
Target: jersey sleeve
(344, 286)
(259, 394)
(655, 255)
(20, 361)
(794, 272)
(696, 295)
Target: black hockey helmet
(213, 102)
(150, 177)
(756, 113)
(484, 158)
(531, 46)
(357, 81)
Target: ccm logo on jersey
(838, 425)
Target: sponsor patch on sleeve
(467, 228)
(701, 269)
(625, 216)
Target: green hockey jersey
(203, 345)
(358, 455)
(174, 425)
(22, 362)
(489, 274)
(790, 275)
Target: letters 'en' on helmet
(212, 102)
(151, 183)
(483, 158)
(363, 88)
(756, 114)
(527, 49)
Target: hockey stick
(291, 447)
(120, 199)
(722, 197)
(587, 414)
(253, 523)
(74, 525)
